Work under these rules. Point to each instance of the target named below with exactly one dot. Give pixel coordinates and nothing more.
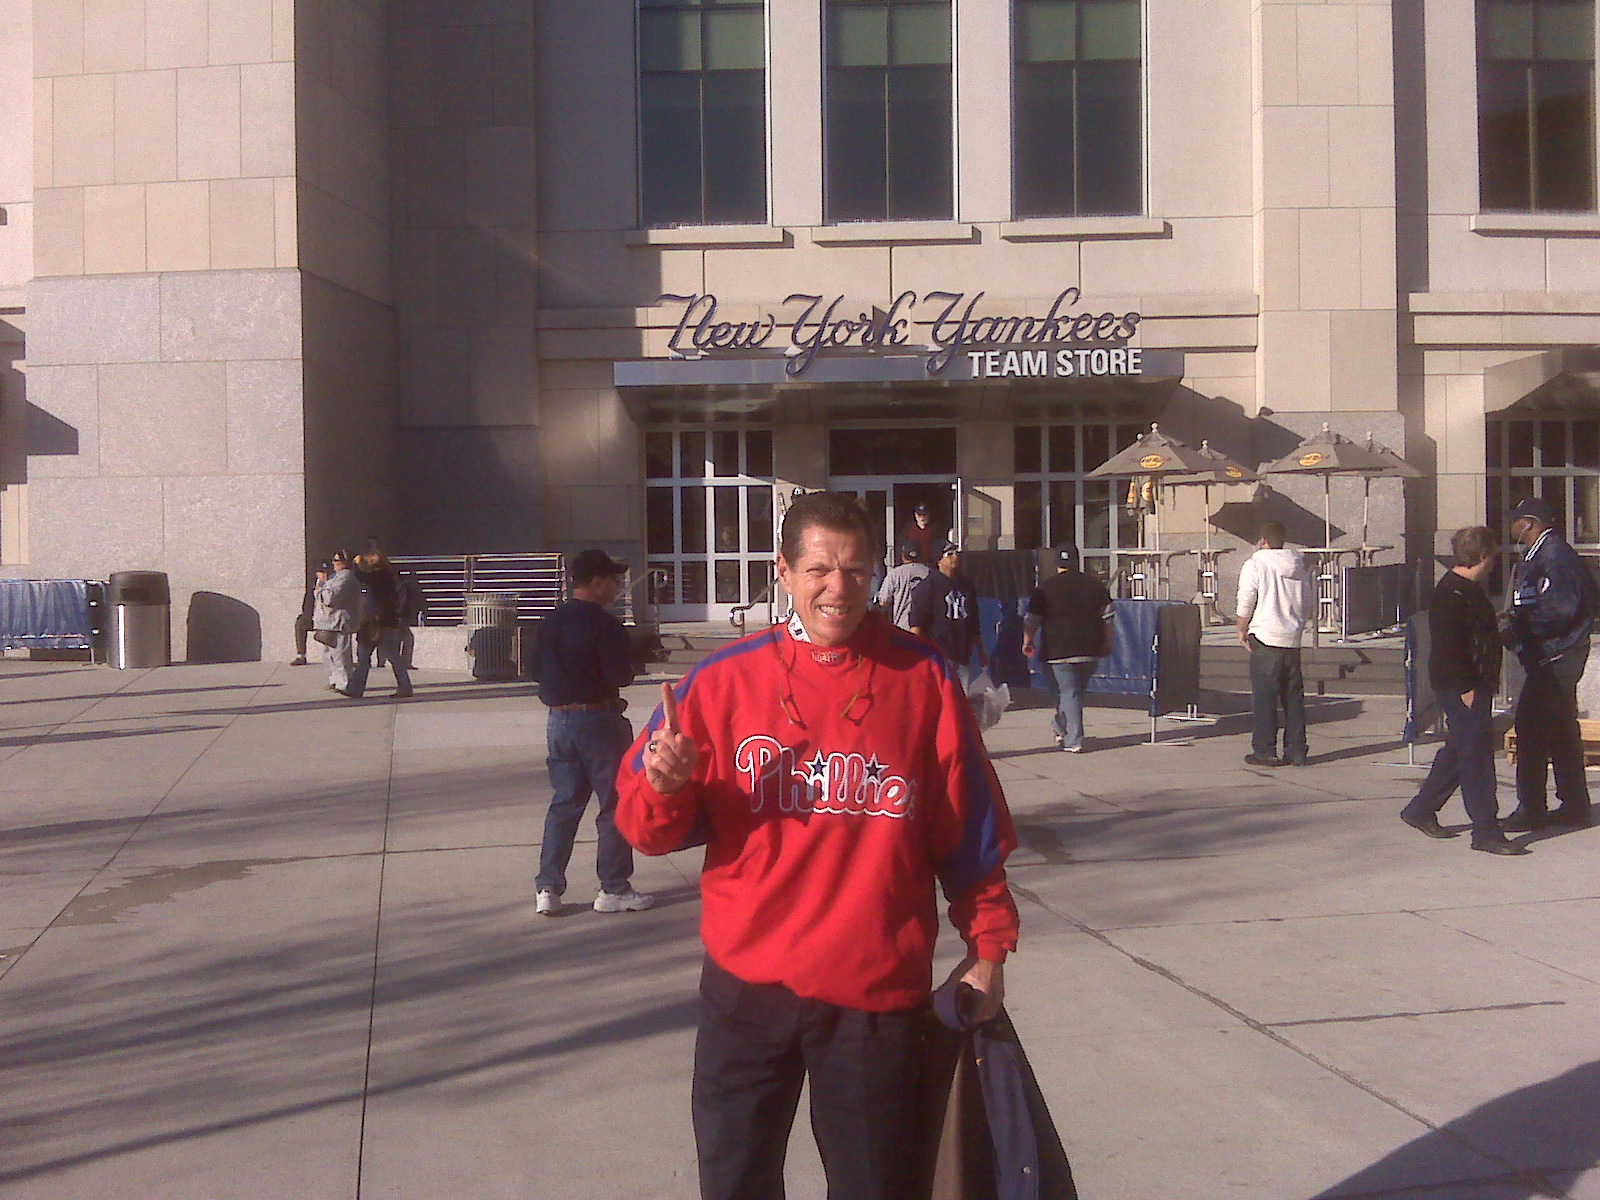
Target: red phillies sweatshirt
(832, 790)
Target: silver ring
(651, 746)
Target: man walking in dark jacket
(944, 609)
(583, 663)
(1072, 615)
(1464, 668)
(1553, 606)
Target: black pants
(302, 627)
(1466, 760)
(757, 1044)
(1548, 735)
(1275, 681)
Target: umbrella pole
(1327, 509)
(1366, 505)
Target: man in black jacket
(584, 662)
(1464, 668)
(1553, 607)
(1072, 615)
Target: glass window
(658, 520)
(727, 577)
(1064, 448)
(692, 454)
(726, 512)
(1030, 517)
(658, 455)
(889, 89)
(1025, 450)
(758, 452)
(1078, 110)
(1536, 105)
(692, 517)
(694, 582)
(758, 506)
(702, 112)
(725, 452)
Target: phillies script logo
(847, 784)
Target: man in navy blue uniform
(583, 664)
(1554, 602)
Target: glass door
(892, 503)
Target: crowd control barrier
(1422, 705)
(51, 614)
(1155, 653)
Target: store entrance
(891, 502)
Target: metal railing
(539, 581)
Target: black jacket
(1073, 608)
(583, 655)
(1465, 653)
(1554, 601)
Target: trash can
(141, 619)
(491, 622)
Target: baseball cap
(921, 508)
(911, 552)
(591, 564)
(1066, 554)
(1533, 506)
(946, 547)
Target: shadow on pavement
(1551, 1124)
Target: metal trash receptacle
(491, 624)
(141, 619)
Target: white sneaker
(628, 901)
(548, 904)
(1073, 749)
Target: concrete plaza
(263, 943)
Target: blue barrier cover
(44, 614)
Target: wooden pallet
(1588, 730)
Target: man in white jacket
(1276, 599)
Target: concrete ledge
(747, 237)
(1536, 224)
(1069, 229)
(889, 233)
(442, 648)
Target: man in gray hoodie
(1276, 599)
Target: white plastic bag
(989, 703)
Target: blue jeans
(1466, 760)
(389, 640)
(585, 752)
(1072, 681)
(1275, 681)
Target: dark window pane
(694, 583)
(1096, 446)
(1097, 502)
(1042, 168)
(921, 171)
(1063, 512)
(735, 147)
(692, 518)
(664, 582)
(726, 503)
(1030, 520)
(1520, 443)
(669, 149)
(1497, 504)
(1566, 31)
(1025, 449)
(857, 181)
(892, 451)
(760, 576)
(1564, 169)
(858, 35)
(1109, 29)
(1110, 151)
(727, 576)
(1047, 32)
(669, 40)
(1064, 448)
(725, 452)
(692, 454)
(1586, 444)
(658, 520)
(920, 35)
(758, 516)
(1125, 435)
(1495, 445)
(1585, 508)
(657, 455)
(1553, 443)
(735, 40)
(758, 453)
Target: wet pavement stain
(157, 886)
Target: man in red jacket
(835, 772)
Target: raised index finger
(669, 709)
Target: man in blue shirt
(583, 664)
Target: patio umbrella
(1222, 469)
(1394, 467)
(1156, 455)
(1327, 454)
